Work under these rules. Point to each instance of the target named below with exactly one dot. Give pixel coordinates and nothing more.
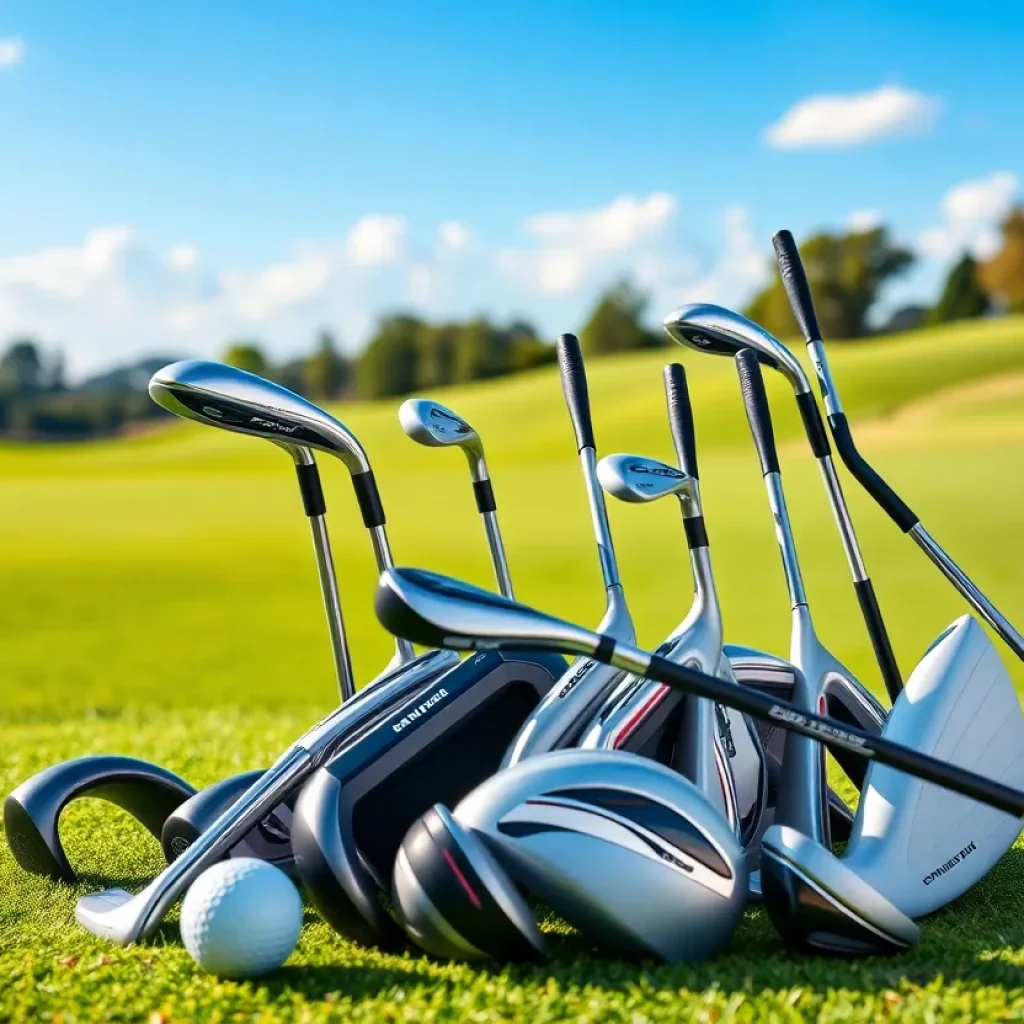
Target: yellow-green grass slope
(158, 597)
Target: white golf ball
(241, 918)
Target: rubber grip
(794, 279)
(368, 496)
(696, 532)
(680, 419)
(574, 386)
(484, 496)
(311, 489)
(759, 416)
(892, 504)
(813, 426)
(884, 654)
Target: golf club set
(647, 798)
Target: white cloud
(571, 247)
(971, 213)
(376, 239)
(12, 52)
(833, 121)
(454, 234)
(111, 296)
(864, 220)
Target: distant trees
(617, 323)
(962, 295)
(846, 274)
(246, 355)
(1002, 276)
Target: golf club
(719, 331)
(431, 424)
(795, 280)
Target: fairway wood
(32, 811)
(429, 423)
(625, 849)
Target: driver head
(222, 396)
(636, 479)
(721, 332)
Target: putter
(795, 281)
(431, 424)
(560, 717)
(823, 672)
(435, 609)
(719, 331)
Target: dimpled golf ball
(241, 918)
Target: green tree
(962, 297)
(389, 364)
(616, 324)
(438, 355)
(1002, 277)
(846, 274)
(21, 368)
(246, 355)
(481, 351)
(327, 372)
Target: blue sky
(175, 174)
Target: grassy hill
(161, 600)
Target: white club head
(635, 479)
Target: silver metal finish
(816, 349)
(984, 607)
(222, 396)
(429, 423)
(787, 542)
(840, 510)
(571, 827)
(124, 919)
(599, 517)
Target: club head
(437, 611)
(636, 479)
(223, 396)
(721, 332)
(429, 423)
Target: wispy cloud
(854, 119)
(12, 52)
(970, 216)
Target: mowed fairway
(159, 598)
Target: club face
(224, 396)
(432, 424)
(722, 332)
(437, 611)
(635, 479)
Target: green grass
(161, 600)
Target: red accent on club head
(462, 879)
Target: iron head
(223, 396)
(432, 424)
(636, 479)
(721, 332)
(437, 611)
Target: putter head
(430, 423)
(223, 396)
(721, 332)
(636, 479)
(438, 611)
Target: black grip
(696, 532)
(311, 490)
(574, 386)
(759, 416)
(368, 496)
(794, 279)
(884, 654)
(680, 419)
(813, 427)
(892, 504)
(484, 496)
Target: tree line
(847, 272)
